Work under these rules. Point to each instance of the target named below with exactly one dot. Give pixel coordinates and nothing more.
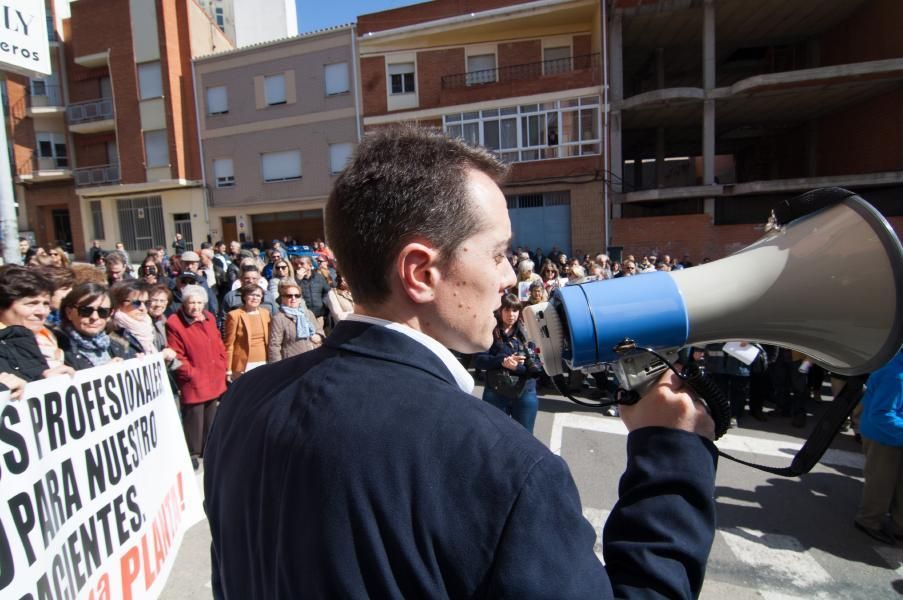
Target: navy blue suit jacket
(361, 470)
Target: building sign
(96, 486)
(24, 44)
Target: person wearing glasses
(85, 314)
(294, 329)
(58, 257)
(132, 319)
(247, 333)
(282, 271)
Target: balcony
(93, 116)
(525, 72)
(99, 175)
(44, 99)
(36, 169)
(522, 80)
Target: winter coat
(198, 346)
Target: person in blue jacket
(511, 367)
(881, 427)
(367, 469)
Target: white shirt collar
(462, 377)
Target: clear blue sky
(319, 14)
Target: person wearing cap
(191, 264)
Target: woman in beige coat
(247, 333)
(294, 328)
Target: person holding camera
(511, 366)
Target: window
(150, 82)
(38, 87)
(339, 155)
(401, 78)
(481, 69)
(557, 129)
(156, 149)
(222, 170)
(141, 222)
(556, 60)
(281, 166)
(97, 220)
(52, 146)
(274, 89)
(336, 76)
(217, 100)
(220, 18)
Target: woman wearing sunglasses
(85, 315)
(282, 271)
(294, 329)
(132, 319)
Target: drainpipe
(357, 81)
(197, 118)
(606, 156)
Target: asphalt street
(778, 538)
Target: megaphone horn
(828, 284)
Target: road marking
(731, 442)
(777, 559)
(893, 557)
(597, 518)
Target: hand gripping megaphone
(828, 284)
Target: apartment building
(277, 122)
(106, 147)
(721, 109)
(521, 78)
(248, 22)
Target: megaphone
(828, 284)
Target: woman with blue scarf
(85, 314)
(294, 329)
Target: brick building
(718, 109)
(721, 109)
(523, 79)
(106, 147)
(278, 121)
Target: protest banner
(96, 485)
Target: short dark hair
(247, 268)
(83, 293)
(248, 288)
(114, 258)
(18, 282)
(158, 288)
(121, 290)
(511, 301)
(403, 183)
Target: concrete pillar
(708, 46)
(660, 157)
(708, 77)
(617, 153)
(708, 142)
(615, 60)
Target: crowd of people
(370, 448)
(213, 315)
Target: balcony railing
(35, 166)
(523, 72)
(99, 175)
(45, 95)
(92, 110)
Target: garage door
(305, 226)
(541, 220)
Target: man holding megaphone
(366, 468)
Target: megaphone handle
(709, 392)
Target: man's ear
(416, 267)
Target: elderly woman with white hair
(192, 333)
(526, 276)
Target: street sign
(24, 44)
